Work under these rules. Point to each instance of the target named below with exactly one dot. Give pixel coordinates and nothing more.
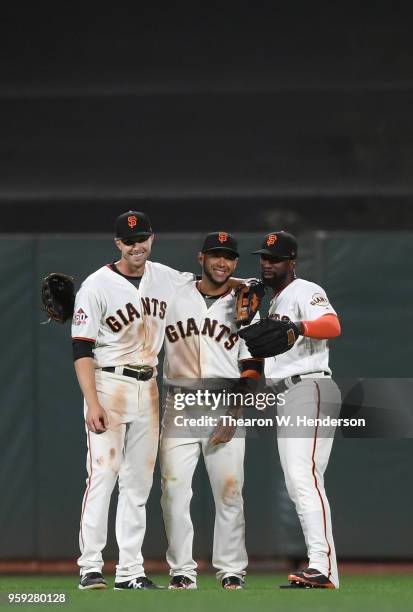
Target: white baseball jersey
(126, 324)
(301, 300)
(202, 342)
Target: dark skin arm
(225, 433)
(251, 372)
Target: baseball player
(300, 321)
(118, 330)
(201, 342)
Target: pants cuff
(128, 578)
(239, 574)
(88, 570)
(192, 575)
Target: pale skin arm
(96, 417)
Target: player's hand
(222, 434)
(96, 419)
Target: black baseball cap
(132, 223)
(280, 245)
(220, 241)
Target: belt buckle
(287, 383)
(293, 380)
(144, 372)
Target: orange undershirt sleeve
(323, 328)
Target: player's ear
(200, 258)
(118, 243)
(152, 238)
(291, 267)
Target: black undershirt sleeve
(82, 348)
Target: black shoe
(181, 583)
(137, 583)
(93, 580)
(233, 583)
(310, 578)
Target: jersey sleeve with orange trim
(314, 302)
(87, 314)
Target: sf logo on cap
(222, 236)
(132, 221)
(272, 239)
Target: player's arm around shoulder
(164, 273)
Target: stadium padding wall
(368, 279)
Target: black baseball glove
(58, 296)
(248, 297)
(269, 337)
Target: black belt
(140, 373)
(283, 385)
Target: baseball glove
(248, 297)
(269, 337)
(58, 296)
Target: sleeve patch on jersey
(317, 299)
(80, 317)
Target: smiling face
(134, 252)
(217, 266)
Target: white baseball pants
(304, 461)
(127, 450)
(225, 467)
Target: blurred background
(294, 117)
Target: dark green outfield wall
(369, 280)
